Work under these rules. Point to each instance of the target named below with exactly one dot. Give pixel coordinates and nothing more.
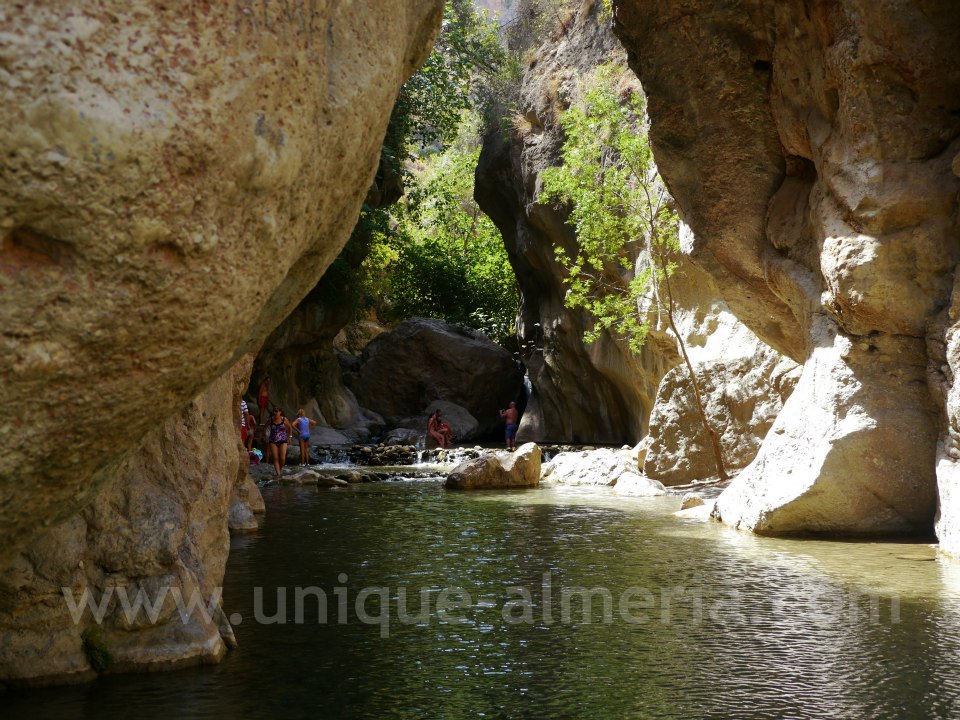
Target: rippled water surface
(704, 622)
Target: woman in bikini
(439, 430)
(278, 432)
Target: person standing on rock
(278, 432)
(511, 417)
(303, 425)
(263, 397)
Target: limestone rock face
(834, 473)
(742, 397)
(304, 372)
(602, 392)
(597, 393)
(175, 178)
(943, 342)
(160, 528)
(518, 469)
(423, 360)
(821, 196)
(601, 467)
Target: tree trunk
(714, 438)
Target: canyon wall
(579, 393)
(809, 146)
(299, 356)
(159, 528)
(175, 179)
(602, 392)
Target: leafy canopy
(626, 227)
(443, 257)
(426, 116)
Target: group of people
(442, 435)
(278, 430)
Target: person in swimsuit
(439, 430)
(511, 417)
(278, 432)
(303, 425)
(251, 430)
(263, 396)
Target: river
(688, 620)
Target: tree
(621, 210)
(435, 254)
(427, 114)
(444, 257)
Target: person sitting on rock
(439, 430)
(303, 425)
(510, 416)
(279, 430)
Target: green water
(762, 629)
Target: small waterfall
(332, 456)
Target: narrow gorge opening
(483, 357)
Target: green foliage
(96, 652)
(619, 206)
(436, 255)
(426, 116)
(444, 258)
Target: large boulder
(160, 527)
(602, 467)
(424, 360)
(741, 396)
(518, 469)
(824, 204)
(176, 177)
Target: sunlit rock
(175, 179)
(517, 469)
(823, 203)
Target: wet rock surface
(161, 527)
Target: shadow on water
(718, 624)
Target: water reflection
(733, 626)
